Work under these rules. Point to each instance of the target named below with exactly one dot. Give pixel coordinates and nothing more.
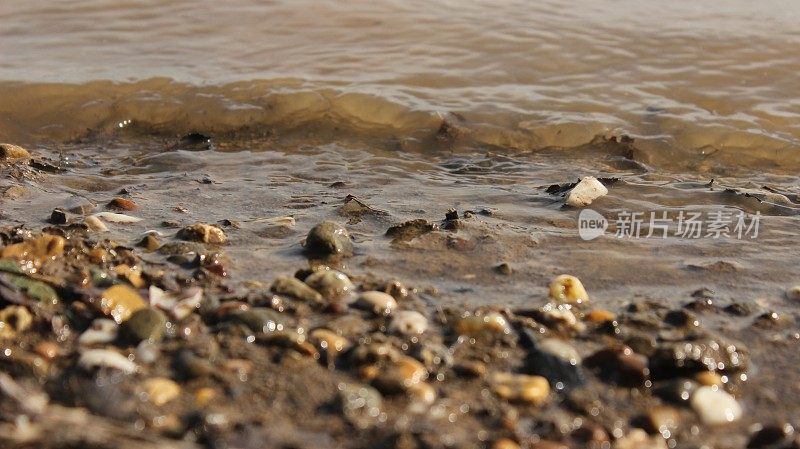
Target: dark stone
(771, 436)
(329, 239)
(145, 324)
(690, 357)
(677, 391)
(504, 269)
(620, 366)
(58, 217)
(260, 320)
(559, 371)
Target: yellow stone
(569, 289)
(10, 151)
(600, 316)
(491, 323)
(120, 301)
(14, 319)
(37, 250)
(521, 388)
(329, 341)
(204, 396)
(709, 379)
(161, 390)
(505, 443)
(132, 274)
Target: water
(702, 82)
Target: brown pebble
(600, 316)
(204, 233)
(47, 350)
(621, 366)
(161, 390)
(10, 152)
(709, 379)
(504, 269)
(505, 443)
(662, 419)
(122, 204)
(204, 396)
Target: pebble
(408, 322)
(123, 204)
(204, 396)
(772, 436)
(600, 316)
(379, 303)
(701, 354)
(621, 366)
(399, 375)
(105, 358)
(568, 289)
(361, 405)
(329, 239)
(793, 293)
(260, 319)
(587, 190)
(639, 439)
(47, 350)
(58, 217)
(37, 250)
(10, 152)
(556, 360)
(95, 224)
(422, 396)
(505, 443)
(145, 324)
(677, 391)
(662, 419)
(715, 406)
(709, 379)
(504, 269)
(120, 302)
(332, 285)
(149, 242)
(193, 366)
(329, 341)
(204, 233)
(13, 320)
(490, 324)
(177, 305)
(101, 331)
(161, 390)
(561, 316)
(520, 387)
(291, 286)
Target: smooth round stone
(120, 302)
(161, 390)
(400, 375)
(715, 406)
(379, 303)
(568, 289)
(520, 387)
(408, 322)
(145, 324)
(329, 239)
(291, 286)
(260, 319)
(560, 349)
(793, 293)
(360, 404)
(332, 285)
(491, 323)
(329, 340)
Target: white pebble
(101, 331)
(379, 303)
(105, 358)
(408, 322)
(95, 224)
(715, 406)
(586, 191)
(117, 218)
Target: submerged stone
(329, 239)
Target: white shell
(117, 218)
(95, 224)
(586, 191)
(715, 406)
(176, 305)
(105, 358)
(101, 331)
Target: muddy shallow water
(414, 109)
